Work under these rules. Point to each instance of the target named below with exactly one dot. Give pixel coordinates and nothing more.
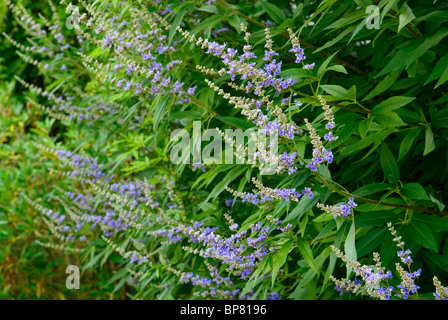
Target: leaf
(335, 40)
(374, 218)
(363, 143)
(296, 74)
(280, 259)
(324, 65)
(434, 16)
(429, 141)
(360, 26)
(413, 50)
(437, 202)
(414, 191)
(439, 260)
(327, 229)
(388, 249)
(405, 17)
(338, 68)
(236, 122)
(387, 7)
(392, 104)
(232, 175)
(298, 10)
(307, 253)
(332, 262)
(158, 107)
(389, 165)
(407, 142)
(207, 24)
(176, 22)
(275, 13)
(437, 224)
(388, 119)
(334, 90)
(439, 70)
(384, 84)
(440, 119)
(422, 234)
(305, 203)
(443, 78)
(371, 189)
(235, 22)
(370, 241)
(350, 247)
(352, 17)
(340, 92)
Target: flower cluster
(373, 276)
(441, 291)
(263, 82)
(343, 210)
(265, 194)
(298, 51)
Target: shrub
(343, 153)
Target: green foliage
(386, 87)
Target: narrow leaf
(389, 165)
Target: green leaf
(439, 70)
(413, 50)
(385, 84)
(298, 10)
(350, 247)
(176, 22)
(340, 92)
(236, 122)
(305, 203)
(296, 74)
(388, 119)
(209, 8)
(374, 218)
(437, 224)
(388, 249)
(338, 68)
(443, 78)
(437, 202)
(232, 175)
(334, 90)
(405, 17)
(324, 65)
(280, 259)
(440, 119)
(307, 253)
(429, 141)
(407, 142)
(371, 189)
(370, 241)
(439, 260)
(275, 13)
(389, 165)
(414, 191)
(392, 104)
(434, 16)
(335, 40)
(159, 107)
(235, 22)
(207, 24)
(422, 234)
(363, 143)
